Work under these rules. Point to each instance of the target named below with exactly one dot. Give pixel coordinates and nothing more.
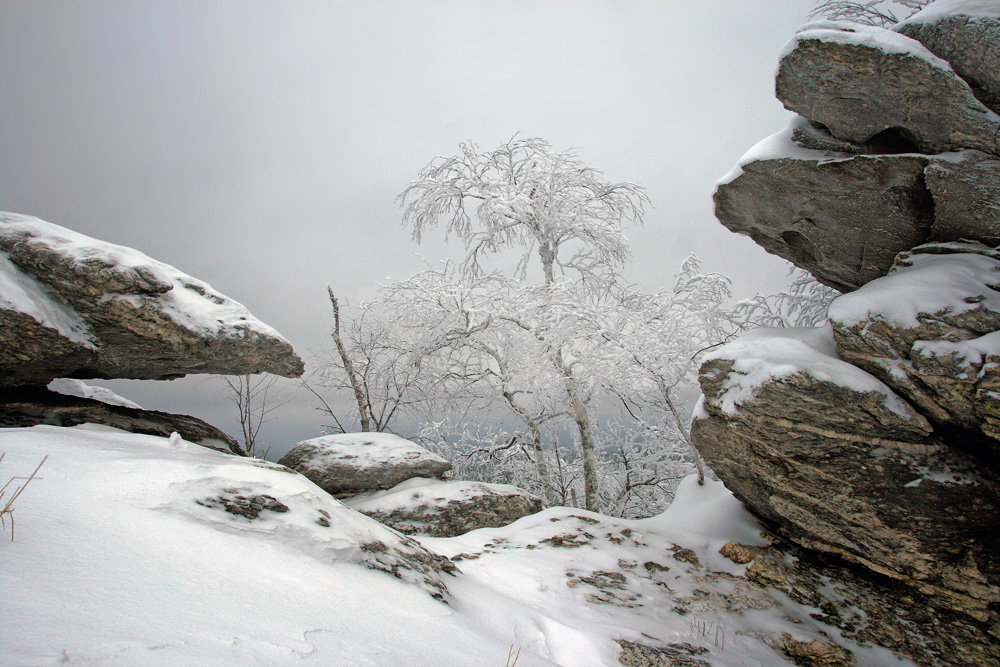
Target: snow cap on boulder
(349, 463)
(445, 508)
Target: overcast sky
(259, 146)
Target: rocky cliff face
(874, 442)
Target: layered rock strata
(845, 466)
(30, 406)
(873, 443)
(73, 306)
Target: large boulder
(445, 508)
(31, 406)
(73, 306)
(867, 84)
(965, 188)
(966, 33)
(931, 330)
(842, 217)
(842, 465)
(346, 464)
(845, 216)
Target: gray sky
(259, 146)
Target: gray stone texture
(343, 477)
(971, 45)
(444, 517)
(838, 473)
(862, 93)
(127, 311)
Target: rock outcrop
(350, 463)
(73, 306)
(931, 330)
(445, 508)
(844, 466)
(793, 202)
(30, 406)
(965, 33)
(891, 149)
(872, 85)
(873, 443)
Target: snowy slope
(122, 557)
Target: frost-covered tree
(377, 363)
(804, 303)
(882, 13)
(526, 196)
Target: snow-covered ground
(139, 550)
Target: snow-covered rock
(31, 406)
(73, 306)
(845, 466)
(931, 330)
(445, 508)
(132, 549)
(842, 217)
(966, 33)
(349, 463)
(864, 83)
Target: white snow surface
(114, 563)
(22, 293)
(71, 387)
(366, 450)
(190, 303)
(972, 352)
(427, 492)
(943, 8)
(780, 146)
(769, 354)
(934, 284)
(870, 37)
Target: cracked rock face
(847, 468)
(966, 194)
(73, 306)
(866, 84)
(931, 330)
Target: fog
(260, 146)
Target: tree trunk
(591, 500)
(687, 435)
(345, 359)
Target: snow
(870, 37)
(972, 352)
(23, 294)
(781, 146)
(949, 284)
(71, 387)
(188, 301)
(115, 562)
(366, 450)
(943, 8)
(423, 491)
(766, 355)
